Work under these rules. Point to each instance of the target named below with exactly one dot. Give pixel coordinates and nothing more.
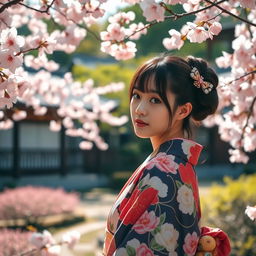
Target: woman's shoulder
(181, 148)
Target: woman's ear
(184, 110)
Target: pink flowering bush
(13, 242)
(21, 243)
(29, 201)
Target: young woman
(157, 212)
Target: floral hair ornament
(199, 81)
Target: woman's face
(150, 116)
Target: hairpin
(199, 81)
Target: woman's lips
(140, 123)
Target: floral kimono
(157, 211)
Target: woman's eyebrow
(148, 91)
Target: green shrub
(224, 207)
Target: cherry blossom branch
(178, 16)
(175, 16)
(9, 4)
(136, 31)
(34, 250)
(42, 44)
(79, 25)
(41, 11)
(247, 25)
(240, 77)
(214, 17)
(230, 13)
(248, 117)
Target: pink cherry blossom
(40, 240)
(40, 62)
(190, 245)
(173, 2)
(75, 12)
(152, 10)
(250, 140)
(10, 40)
(251, 212)
(132, 1)
(71, 238)
(123, 51)
(5, 20)
(138, 28)
(14, 241)
(174, 42)
(225, 60)
(8, 93)
(191, 5)
(19, 115)
(116, 32)
(248, 4)
(40, 111)
(55, 126)
(237, 155)
(70, 38)
(197, 34)
(37, 26)
(59, 4)
(6, 124)
(215, 28)
(85, 145)
(122, 17)
(51, 251)
(9, 60)
(146, 223)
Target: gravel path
(96, 206)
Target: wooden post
(63, 153)
(16, 151)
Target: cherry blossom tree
(236, 115)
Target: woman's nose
(140, 109)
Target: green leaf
(189, 186)
(156, 230)
(146, 186)
(130, 250)
(140, 184)
(155, 246)
(162, 219)
(179, 184)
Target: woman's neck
(157, 141)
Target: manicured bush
(29, 201)
(14, 242)
(224, 207)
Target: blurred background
(48, 182)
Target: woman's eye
(155, 100)
(135, 96)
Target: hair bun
(206, 104)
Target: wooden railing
(40, 159)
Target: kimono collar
(186, 149)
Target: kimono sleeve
(166, 219)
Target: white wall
(6, 139)
(38, 136)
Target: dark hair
(173, 73)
